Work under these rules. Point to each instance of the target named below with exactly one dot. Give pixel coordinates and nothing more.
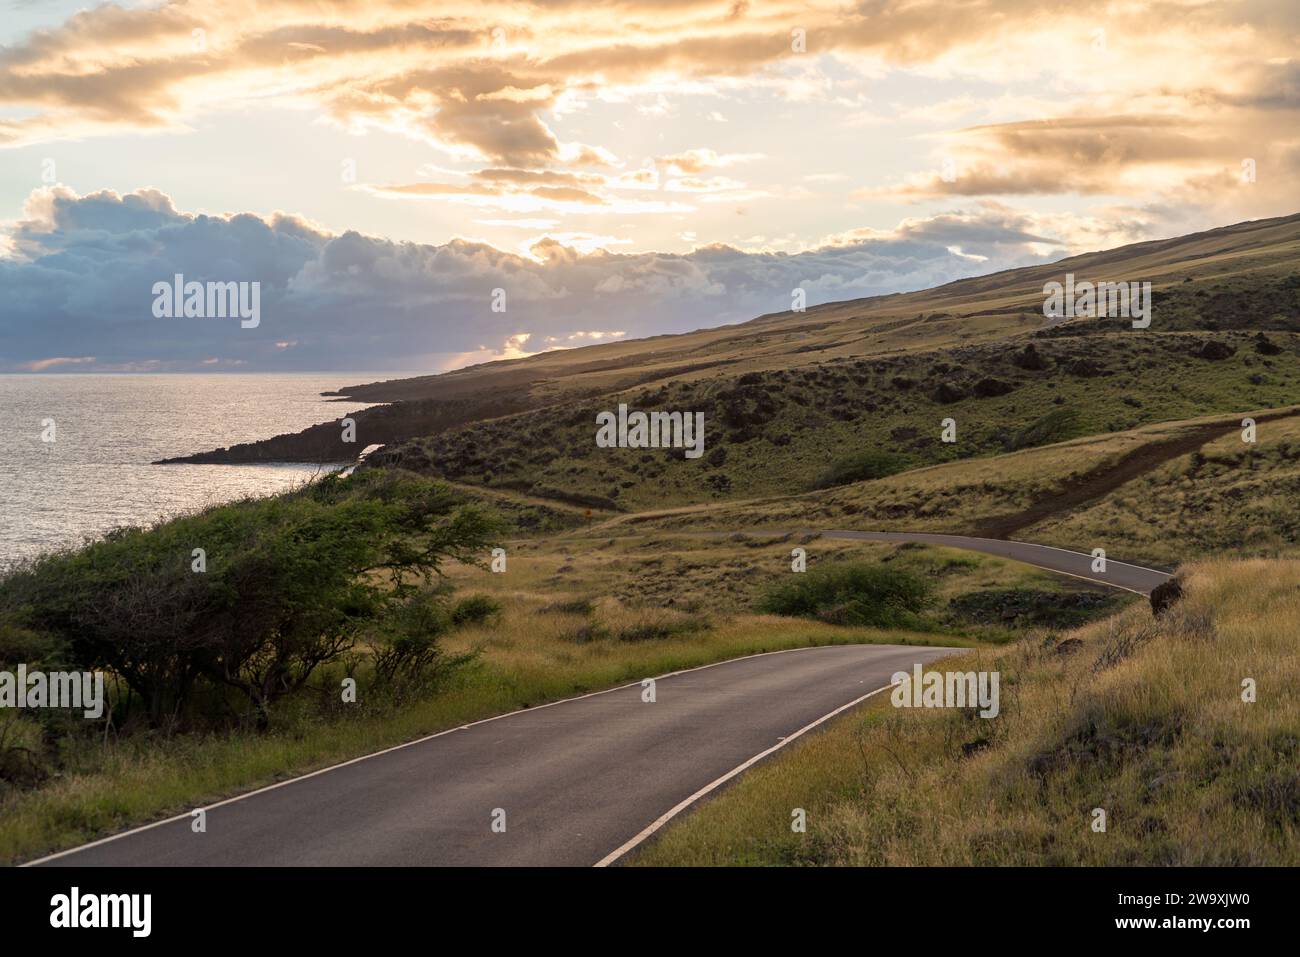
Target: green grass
(1141, 718)
(524, 660)
(861, 467)
(730, 574)
(572, 614)
(1228, 496)
(852, 593)
(785, 430)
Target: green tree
(291, 582)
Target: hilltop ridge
(1213, 286)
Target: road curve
(579, 780)
(1119, 574)
(1135, 578)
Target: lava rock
(948, 393)
(1165, 594)
(990, 388)
(1266, 346)
(1029, 358)
(1214, 350)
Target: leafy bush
(474, 609)
(291, 582)
(44, 652)
(852, 593)
(861, 467)
(21, 746)
(406, 642)
(1056, 426)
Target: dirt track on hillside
(1098, 482)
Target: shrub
(406, 641)
(574, 606)
(474, 609)
(290, 583)
(652, 627)
(860, 467)
(1056, 426)
(36, 650)
(852, 593)
(21, 747)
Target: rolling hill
(794, 401)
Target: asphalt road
(578, 780)
(1119, 574)
(1135, 578)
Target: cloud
(42, 365)
(518, 190)
(689, 162)
(477, 79)
(489, 83)
(1155, 160)
(79, 282)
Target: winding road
(576, 782)
(1135, 578)
(1129, 577)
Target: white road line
(429, 737)
(663, 819)
(1086, 578)
(847, 534)
(996, 541)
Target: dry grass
(530, 655)
(951, 497)
(1230, 495)
(729, 574)
(1143, 719)
(578, 614)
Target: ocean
(95, 474)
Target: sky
(422, 186)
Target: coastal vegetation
(1180, 730)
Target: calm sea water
(96, 475)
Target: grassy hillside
(1236, 279)
(1160, 493)
(979, 597)
(848, 391)
(1143, 719)
(1226, 496)
(625, 563)
(788, 430)
(1240, 270)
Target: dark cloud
(80, 284)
